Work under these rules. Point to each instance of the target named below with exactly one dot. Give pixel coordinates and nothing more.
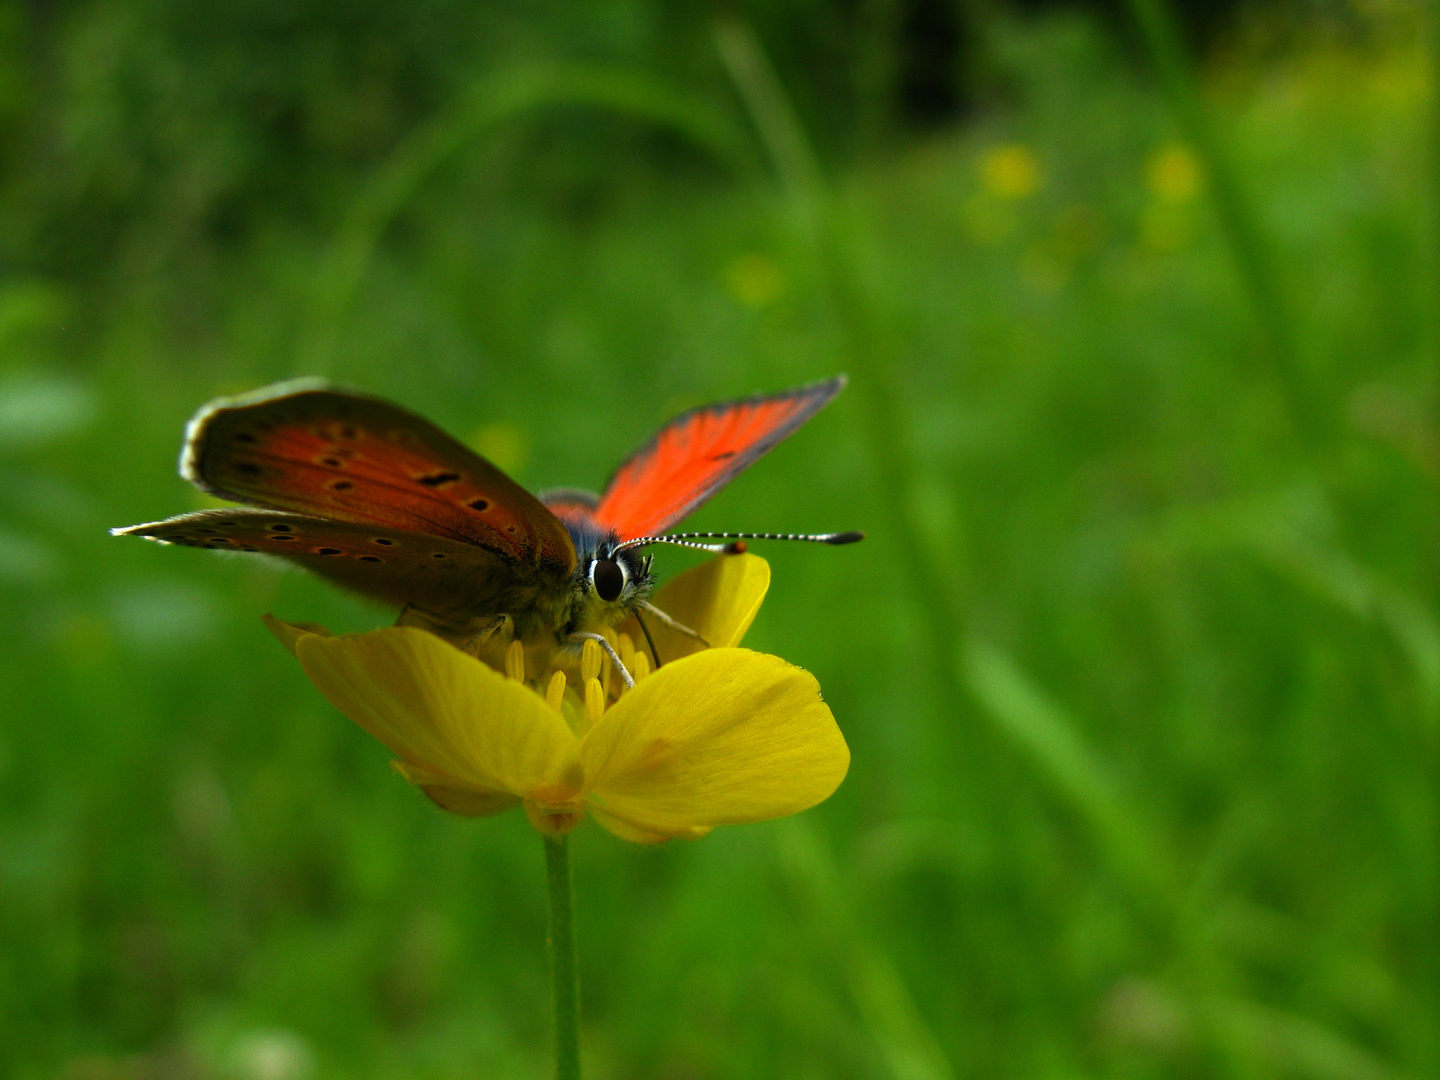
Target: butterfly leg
(414, 615)
(679, 627)
(625, 675)
(483, 635)
(462, 637)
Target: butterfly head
(620, 577)
(610, 579)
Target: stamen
(642, 666)
(594, 703)
(515, 661)
(604, 643)
(591, 660)
(555, 691)
(472, 645)
(626, 648)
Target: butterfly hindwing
(341, 456)
(698, 453)
(442, 576)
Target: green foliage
(1140, 671)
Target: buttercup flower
(718, 735)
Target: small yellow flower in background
(1009, 174)
(1175, 179)
(1173, 174)
(715, 736)
(755, 280)
(1011, 171)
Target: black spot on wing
(439, 479)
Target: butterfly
(381, 502)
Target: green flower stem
(565, 979)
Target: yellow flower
(1174, 175)
(755, 280)
(715, 736)
(1011, 171)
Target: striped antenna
(687, 539)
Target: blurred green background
(1140, 665)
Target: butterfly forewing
(698, 453)
(345, 457)
(386, 504)
(442, 576)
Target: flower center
(551, 810)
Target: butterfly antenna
(688, 539)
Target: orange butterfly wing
(698, 453)
(343, 456)
(449, 580)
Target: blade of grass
(869, 355)
(1280, 530)
(876, 70)
(780, 130)
(1165, 902)
(910, 1049)
(1295, 1045)
(1427, 1052)
(490, 103)
(1040, 727)
(1249, 248)
(1433, 208)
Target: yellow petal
(289, 633)
(626, 831)
(718, 599)
(718, 738)
(449, 794)
(444, 711)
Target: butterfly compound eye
(609, 579)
